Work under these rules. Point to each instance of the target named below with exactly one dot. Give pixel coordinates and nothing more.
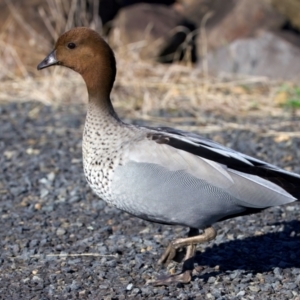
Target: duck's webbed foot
(190, 243)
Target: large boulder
(108, 9)
(268, 54)
(233, 19)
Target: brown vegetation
(142, 87)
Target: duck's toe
(183, 277)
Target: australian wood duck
(162, 174)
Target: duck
(163, 175)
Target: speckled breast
(99, 170)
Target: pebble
(36, 278)
(240, 293)
(60, 231)
(57, 236)
(254, 288)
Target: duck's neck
(99, 85)
(102, 109)
(101, 116)
(99, 78)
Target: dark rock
(163, 32)
(290, 9)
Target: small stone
(44, 193)
(240, 293)
(51, 176)
(8, 154)
(254, 288)
(211, 279)
(15, 249)
(37, 206)
(60, 231)
(129, 287)
(74, 286)
(31, 151)
(103, 286)
(135, 291)
(44, 181)
(36, 278)
(277, 271)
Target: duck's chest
(99, 170)
(99, 162)
(103, 151)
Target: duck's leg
(190, 244)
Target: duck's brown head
(83, 50)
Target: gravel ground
(59, 241)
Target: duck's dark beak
(50, 60)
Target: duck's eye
(71, 45)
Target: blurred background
(233, 56)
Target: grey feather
(157, 194)
(168, 185)
(253, 191)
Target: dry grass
(142, 87)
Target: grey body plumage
(137, 170)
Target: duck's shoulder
(194, 144)
(203, 147)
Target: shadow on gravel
(256, 254)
